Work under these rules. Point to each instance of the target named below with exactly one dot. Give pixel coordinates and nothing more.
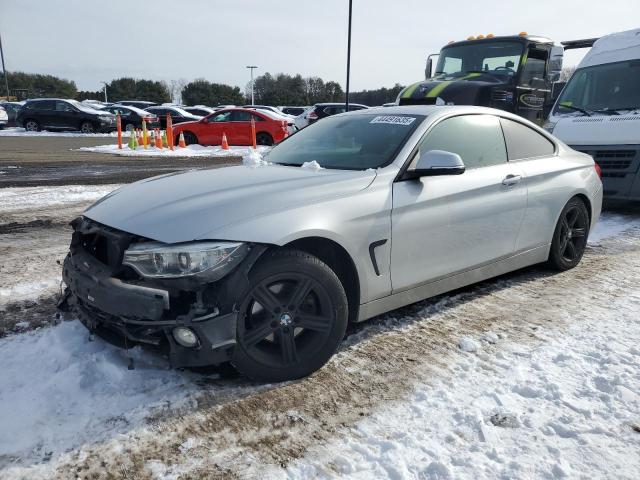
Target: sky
(90, 41)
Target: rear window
(524, 142)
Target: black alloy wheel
(87, 127)
(570, 236)
(292, 318)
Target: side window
(257, 118)
(240, 116)
(44, 105)
(525, 142)
(477, 139)
(63, 107)
(534, 67)
(220, 117)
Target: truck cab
(513, 73)
(598, 112)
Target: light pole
(4, 70)
(346, 96)
(105, 91)
(252, 67)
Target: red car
(236, 124)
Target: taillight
(312, 116)
(598, 169)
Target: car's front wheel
(570, 236)
(32, 126)
(87, 127)
(291, 319)
(190, 138)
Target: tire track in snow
(378, 365)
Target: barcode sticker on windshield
(393, 120)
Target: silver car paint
(441, 229)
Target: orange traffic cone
(181, 143)
(158, 139)
(225, 144)
(139, 136)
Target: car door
(543, 171)
(446, 224)
(44, 112)
(240, 128)
(65, 115)
(211, 131)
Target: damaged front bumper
(123, 311)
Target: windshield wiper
(607, 111)
(578, 109)
(618, 109)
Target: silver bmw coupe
(265, 264)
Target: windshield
(602, 88)
(350, 142)
(497, 58)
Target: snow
(28, 289)
(467, 344)
(254, 159)
(30, 198)
(312, 165)
(610, 225)
(21, 132)
(560, 410)
(82, 393)
(188, 151)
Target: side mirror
(437, 162)
(428, 68)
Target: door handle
(510, 180)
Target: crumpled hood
(454, 89)
(185, 206)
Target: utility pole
(252, 67)
(4, 70)
(105, 91)
(348, 58)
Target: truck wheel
(87, 127)
(31, 125)
(570, 236)
(291, 318)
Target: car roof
(336, 104)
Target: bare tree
(566, 73)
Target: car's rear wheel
(570, 236)
(291, 319)
(87, 127)
(32, 126)
(190, 138)
(264, 139)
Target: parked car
(199, 110)
(4, 117)
(322, 110)
(12, 112)
(61, 114)
(265, 266)
(274, 110)
(178, 115)
(295, 111)
(131, 117)
(96, 104)
(137, 103)
(235, 123)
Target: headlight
(549, 126)
(159, 260)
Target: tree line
(268, 89)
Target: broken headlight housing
(210, 259)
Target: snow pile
(21, 132)
(28, 289)
(254, 159)
(312, 165)
(29, 198)
(564, 409)
(610, 225)
(188, 151)
(60, 391)
(467, 344)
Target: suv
(61, 114)
(322, 110)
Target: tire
(264, 139)
(291, 319)
(570, 236)
(31, 125)
(87, 127)
(190, 138)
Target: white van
(598, 112)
